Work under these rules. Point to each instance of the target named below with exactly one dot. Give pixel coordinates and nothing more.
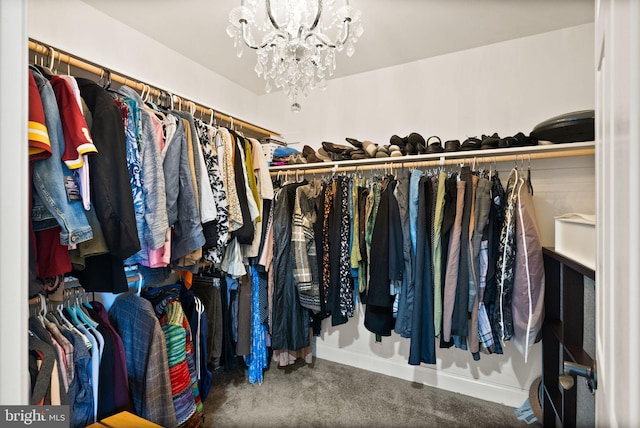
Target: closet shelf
(59, 57)
(544, 151)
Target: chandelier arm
(318, 14)
(270, 14)
(250, 45)
(327, 43)
(347, 30)
(245, 35)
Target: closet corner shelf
(543, 151)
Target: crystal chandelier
(295, 52)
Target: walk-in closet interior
(398, 216)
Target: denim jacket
(50, 176)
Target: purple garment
(120, 377)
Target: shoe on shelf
(524, 140)
(333, 147)
(417, 143)
(451, 146)
(354, 142)
(434, 147)
(471, 143)
(370, 148)
(296, 159)
(490, 142)
(398, 142)
(507, 142)
(310, 155)
(395, 151)
(323, 155)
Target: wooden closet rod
(582, 149)
(64, 58)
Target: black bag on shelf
(567, 128)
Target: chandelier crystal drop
(295, 51)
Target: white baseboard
(497, 393)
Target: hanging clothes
(503, 315)
(448, 220)
(216, 230)
(341, 285)
(379, 310)
(529, 280)
(182, 212)
(439, 201)
(482, 206)
(496, 217)
(113, 202)
(290, 326)
(422, 347)
(460, 324)
(207, 289)
(243, 234)
(257, 360)
(403, 320)
(117, 371)
(147, 365)
(151, 178)
(305, 263)
(199, 332)
(453, 261)
(180, 354)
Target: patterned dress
(221, 223)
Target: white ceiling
(396, 31)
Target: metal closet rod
(407, 162)
(61, 57)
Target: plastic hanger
(42, 309)
(52, 59)
(139, 284)
(83, 316)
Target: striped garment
(182, 368)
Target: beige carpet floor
(327, 394)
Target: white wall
(505, 88)
(14, 204)
(80, 29)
